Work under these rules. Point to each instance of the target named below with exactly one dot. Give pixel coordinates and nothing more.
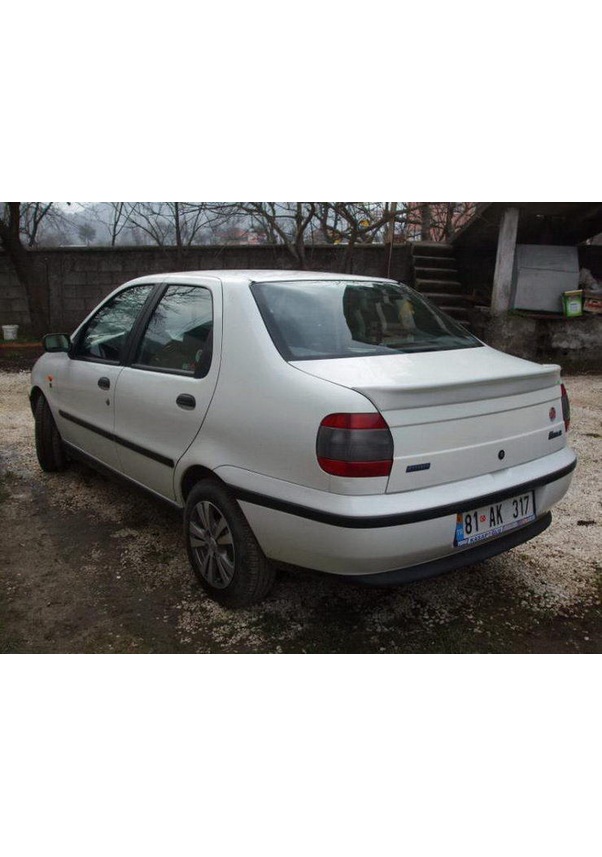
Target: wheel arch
(192, 475)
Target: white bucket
(10, 331)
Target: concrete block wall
(13, 303)
(79, 278)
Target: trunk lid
(455, 414)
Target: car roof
(246, 276)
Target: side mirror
(56, 342)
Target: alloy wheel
(212, 544)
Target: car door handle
(104, 383)
(186, 401)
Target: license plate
(493, 520)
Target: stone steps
(442, 262)
(436, 277)
(440, 298)
(443, 273)
(433, 283)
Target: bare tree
(283, 223)
(448, 217)
(114, 217)
(353, 223)
(45, 223)
(297, 225)
(31, 216)
(175, 223)
(437, 221)
(150, 219)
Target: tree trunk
(30, 271)
(32, 276)
(425, 221)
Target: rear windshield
(320, 319)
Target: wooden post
(504, 262)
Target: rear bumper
(369, 535)
(470, 556)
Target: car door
(85, 389)
(162, 397)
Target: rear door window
(179, 336)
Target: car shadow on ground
(96, 566)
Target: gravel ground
(92, 566)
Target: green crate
(572, 303)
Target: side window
(179, 334)
(106, 333)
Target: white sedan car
(332, 422)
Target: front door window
(106, 334)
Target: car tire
(49, 446)
(223, 552)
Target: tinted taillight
(357, 445)
(566, 407)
